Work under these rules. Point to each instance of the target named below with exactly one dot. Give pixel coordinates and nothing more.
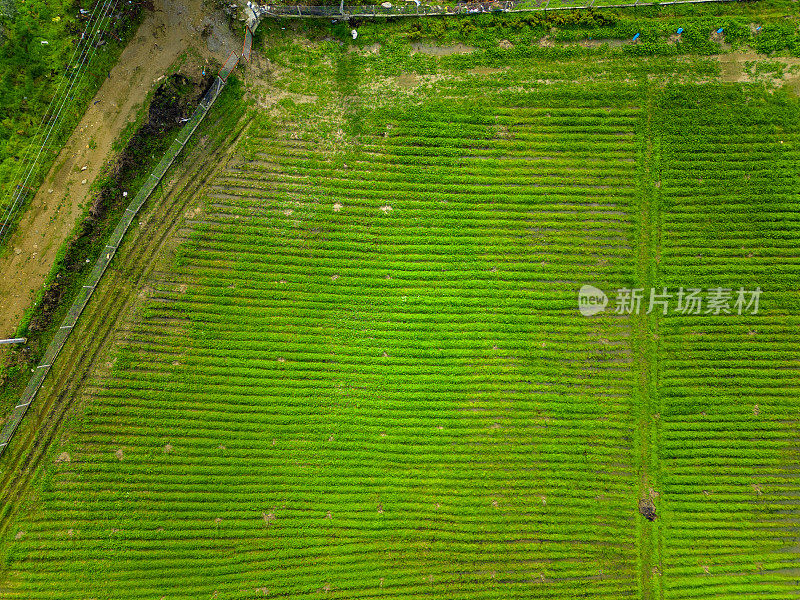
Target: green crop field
(357, 369)
(729, 385)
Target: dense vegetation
(729, 386)
(395, 389)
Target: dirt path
(165, 33)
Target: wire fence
(106, 255)
(229, 66)
(247, 46)
(414, 9)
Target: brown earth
(733, 67)
(435, 50)
(166, 33)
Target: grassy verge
(32, 73)
(768, 27)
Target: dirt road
(173, 28)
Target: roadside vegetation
(37, 41)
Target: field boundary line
(102, 262)
(255, 12)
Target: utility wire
(87, 51)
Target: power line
(76, 75)
(56, 94)
(87, 52)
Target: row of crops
(729, 385)
(366, 376)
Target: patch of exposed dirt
(433, 49)
(732, 65)
(749, 66)
(166, 33)
(596, 43)
(485, 70)
(407, 80)
(546, 42)
(366, 50)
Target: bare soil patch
(408, 80)
(740, 67)
(546, 42)
(485, 70)
(434, 50)
(732, 65)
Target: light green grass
(366, 376)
